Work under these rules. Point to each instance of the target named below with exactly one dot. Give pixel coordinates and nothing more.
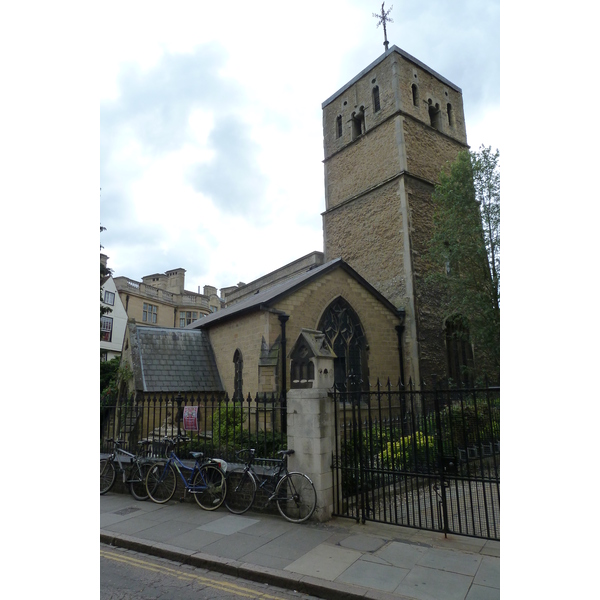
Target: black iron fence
(215, 425)
(419, 458)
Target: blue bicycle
(206, 479)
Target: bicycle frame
(178, 465)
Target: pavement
(337, 559)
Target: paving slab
(325, 562)
(424, 583)
(449, 560)
(229, 524)
(375, 576)
(480, 592)
(235, 546)
(401, 555)
(488, 573)
(364, 543)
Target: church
(387, 135)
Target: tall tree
(465, 247)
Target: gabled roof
(271, 295)
(173, 360)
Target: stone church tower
(387, 134)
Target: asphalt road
(127, 575)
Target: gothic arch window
(345, 334)
(238, 381)
(415, 94)
(376, 103)
(459, 351)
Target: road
(127, 575)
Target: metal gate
(423, 459)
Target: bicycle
(293, 492)
(206, 479)
(134, 476)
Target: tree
(465, 249)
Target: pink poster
(190, 418)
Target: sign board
(190, 418)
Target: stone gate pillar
(310, 416)
(311, 434)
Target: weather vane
(383, 17)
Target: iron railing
(215, 425)
(419, 458)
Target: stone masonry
(387, 135)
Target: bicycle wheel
(212, 480)
(107, 475)
(137, 481)
(296, 497)
(241, 491)
(161, 482)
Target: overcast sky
(211, 123)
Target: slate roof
(269, 296)
(173, 360)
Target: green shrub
(412, 452)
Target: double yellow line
(178, 574)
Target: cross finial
(383, 17)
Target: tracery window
(344, 333)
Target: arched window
(344, 332)
(376, 104)
(238, 381)
(459, 351)
(434, 115)
(415, 94)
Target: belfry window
(434, 115)
(338, 126)
(415, 94)
(376, 103)
(358, 123)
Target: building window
(450, 115)
(150, 313)
(434, 115)
(187, 317)
(358, 123)
(338, 126)
(376, 104)
(238, 382)
(415, 94)
(106, 325)
(109, 298)
(344, 332)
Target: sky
(211, 125)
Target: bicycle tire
(215, 487)
(296, 497)
(241, 491)
(137, 481)
(161, 482)
(107, 475)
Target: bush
(413, 452)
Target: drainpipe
(283, 319)
(399, 332)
